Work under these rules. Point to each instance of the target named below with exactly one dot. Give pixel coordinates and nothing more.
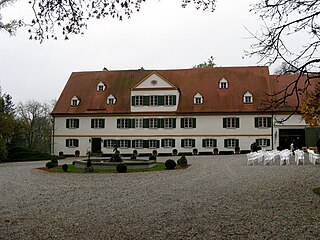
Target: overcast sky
(162, 35)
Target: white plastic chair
(299, 157)
(285, 157)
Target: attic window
(75, 101)
(101, 87)
(223, 84)
(111, 100)
(198, 99)
(247, 97)
(154, 82)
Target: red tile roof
(189, 82)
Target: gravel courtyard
(218, 197)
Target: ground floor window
(231, 143)
(137, 143)
(209, 143)
(109, 143)
(72, 142)
(153, 143)
(167, 143)
(188, 143)
(124, 143)
(263, 142)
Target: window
(109, 143)
(75, 101)
(167, 143)
(223, 84)
(153, 100)
(231, 122)
(72, 123)
(123, 123)
(168, 100)
(153, 143)
(247, 97)
(168, 123)
(262, 122)
(137, 143)
(111, 100)
(209, 143)
(138, 123)
(188, 122)
(138, 101)
(72, 142)
(198, 99)
(124, 143)
(231, 143)
(101, 87)
(263, 142)
(188, 143)
(153, 123)
(97, 123)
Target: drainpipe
(272, 147)
(53, 126)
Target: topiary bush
(182, 162)
(50, 165)
(54, 159)
(121, 168)
(153, 157)
(65, 167)
(170, 164)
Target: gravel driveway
(218, 197)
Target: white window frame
(124, 123)
(138, 101)
(231, 122)
(98, 122)
(168, 142)
(101, 87)
(73, 142)
(72, 123)
(108, 143)
(231, 143)
(262, 122)
(168, 100)
(263, 142)
(188, 123)
(138, 143)
(124, 143)
(111, 100)
(153, 123)
(209, 143)
(138, 123)
(247, 98)
(188, 142)
(198, 99)
(168, 123)
(153, 143)
(223, 84)
(75, 101)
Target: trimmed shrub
(65, 167)
(153, 157)
(3, 151)
(182, 162)
(170, 164)
(133, 156)
(215, 151)
(24, 154)
(50, 165)
(73, 162)
(155, 152)
(54, 159)
(226, 153)
(237, 150)
(174, 152)
(245, 151)
(89, 164)
(121, 168)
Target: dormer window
(111, 100)
(247, 98)
(101, 87)
(198, 99)
(223, 83)
(75, 101)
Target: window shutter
(92, 123)
(133, 143)
(76, 142)
(256, 122)
(193, 142)
(129, 123)
(194, 122)
(237, 122)
(174, 100)
(214, 143)
(145, 123)
(67, 142)
(257, 142)
(182, 142)
(158, 143)
(77, 123)
(145, 144)
(174, 125)
(133, 101)
(269, 122)
(160, 100)
(162, 142)
(103, 123)
(237, 142)
(224, 122)
(129, 143)
(173, 142)
(161, 123)
(268, 142)
(203, 142)
(146, 100)
(226, 143)
(182, 123)
(118, 123)
(133, 123)
(67, 123)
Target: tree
(209, 64)
(11, 26)
(71, 16)
(285, 69)
(284, 22)
(311, 107)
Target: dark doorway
(287, 136)
(95, 145)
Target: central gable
(152, 82)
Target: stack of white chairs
(313, 157)
(254, 157)
(285, 156)
(270, 157)
(299, 156)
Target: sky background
(163, 35)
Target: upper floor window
(97, 123)
(111, 100)
(75, 101)
(169, 100)
(198, 99)
(153, 100)
(209, 143)
(223, 83)
(138, 100)
(72, 123)
(247, 98)
(72, 142)
(138, 123)
(169, 123)
(153, 123)
(231, 143)
(262, 122)
(188, 122)
(123, 123)
(232, 122)
(101, 87)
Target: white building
(190, 110)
